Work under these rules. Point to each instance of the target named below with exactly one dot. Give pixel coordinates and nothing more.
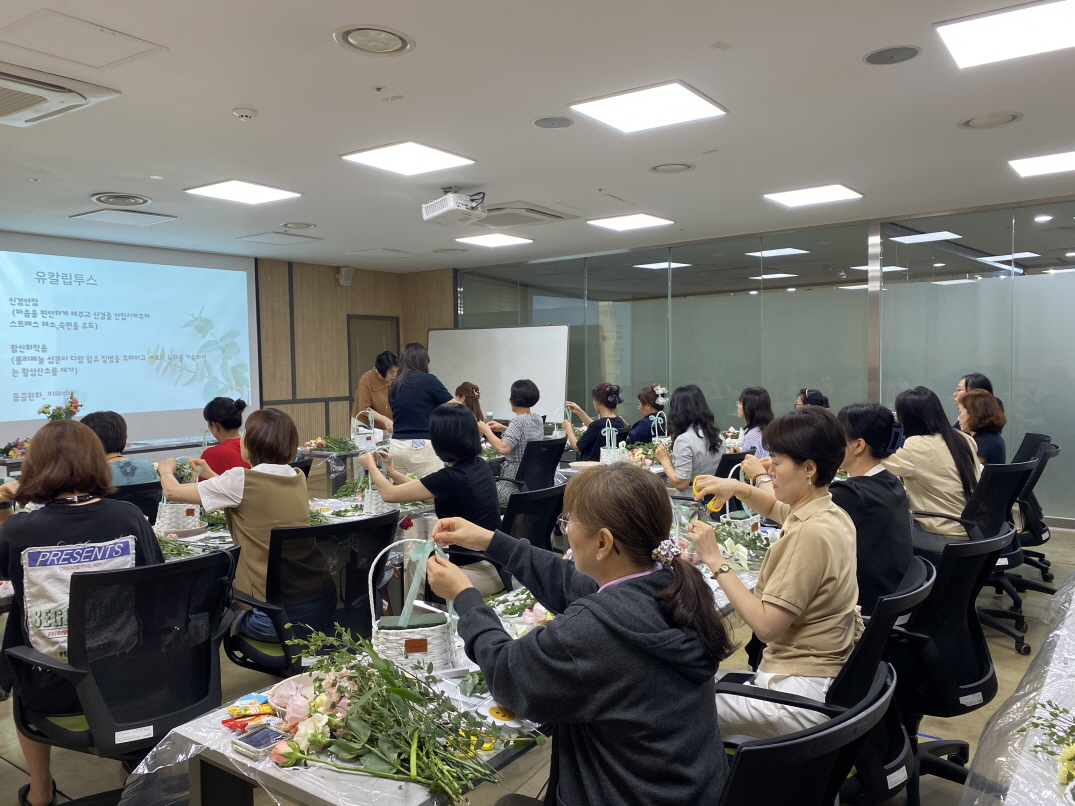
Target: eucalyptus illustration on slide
(217, 363)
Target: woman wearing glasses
(626, 603)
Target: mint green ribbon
(420, 554)
(610, 434)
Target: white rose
(315, 723)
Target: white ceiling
(803, 109)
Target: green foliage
(398, 725)
(221, 372)
(1057, 724)
(353, 486)
(318, 518)
(473, 684)
(173, 549)
(214, 521)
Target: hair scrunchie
(666, 551)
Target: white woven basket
(173, 516)
(423, 645)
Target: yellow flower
(1065, 764)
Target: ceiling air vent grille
(519, 214)
(30, 96)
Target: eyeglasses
(563, 520)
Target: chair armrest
(246, 598)
(779, 697)
(969, 525)
(31, 657)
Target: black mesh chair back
(532, 515)
(348, 548)
(852, 683)
(1028, 448)
(537, 469)
(143, 653)
(1035, 531)
(303, 464)
(806, 768)
(990, 505)
(941, 654)
(146, 497)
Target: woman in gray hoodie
(624, 673)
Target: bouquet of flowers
(358, 712)
(69, 409)
(643, 453)
(578, 431)
(488, 451)
(15, 449)
(184, 473)
(331, 445)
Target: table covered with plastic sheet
(1006, 769)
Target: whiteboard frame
(567, 352)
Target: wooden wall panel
(340, 418)
(429, 302)
(275, 326)
(309, 418)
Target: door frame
(352, 381)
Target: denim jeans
(318, 614)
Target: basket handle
(412, 593)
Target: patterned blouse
(522, 429)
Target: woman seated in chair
(875, 500)
(625, 674)
(224, 416)
(66, 475)
(697, 445)
(981, 416)
(111, 429)
(755, 409)
(938, 465)
(651, 403)
(270, 493)
(803, 605)
(606, 397)
(524, 427)
(463, 488)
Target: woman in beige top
(803, 605)
(938, 465)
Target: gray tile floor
(78, 775)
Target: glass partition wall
(986, 291)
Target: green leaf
(191, 323)
(209, 391)
(345, 749)
(384, 744)
(212, 344)
(231, 334)
(359, 730)
(372, 761)
(406, 694)
(207, 369)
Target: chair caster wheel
(1021, 626)
(1021, 648)
(955, 758)
(1047, 577)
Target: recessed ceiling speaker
(345, 275)
(991, 121)
(298, 225)
(373, 40)
(554, 123)
(672, 168)
(895, 55)
(121, 199)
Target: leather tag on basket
(414, 646)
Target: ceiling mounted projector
(455, 208)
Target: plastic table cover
(1005, 768)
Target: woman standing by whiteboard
(412, 397)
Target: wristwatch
(723, 568)
(761, 478)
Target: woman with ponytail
(606, 397)
(224, 416)
(624, 673)
(804, 603)
(938, 464)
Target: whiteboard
(495, 357)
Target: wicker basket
(174, 517)
(423, 645)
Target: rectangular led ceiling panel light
(493, 239)
(952, 282)
(408, 158)
(278, 238)
(246, 192)
(926, 237)
(1002, 258)
(772, 276)
(1058, 271)
(662, 265)
(622, 223)
(777, 252)
(884, 269)
(650, 107)
(818, 195)
(1050, 164)
(1009, 34)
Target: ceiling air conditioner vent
(519, 214)
(30, 96)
